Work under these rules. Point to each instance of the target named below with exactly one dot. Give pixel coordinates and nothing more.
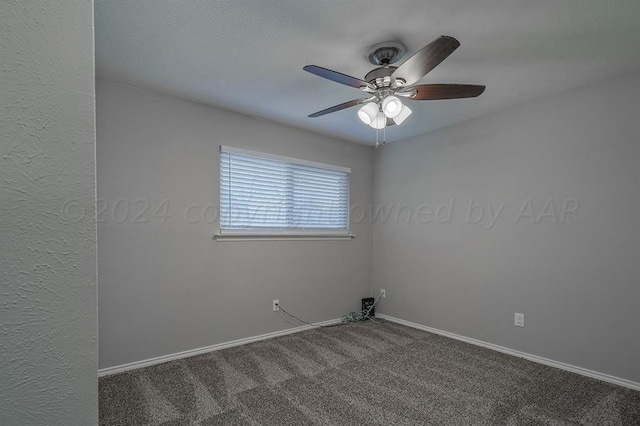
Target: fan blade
(431, 92)
(426, 59)
(338, 107)
(337, 76)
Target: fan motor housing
(377, 76)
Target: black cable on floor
(314, 325)
(366, 316)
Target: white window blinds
(262, 192)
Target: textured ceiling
(247, 55)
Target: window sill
(283, 237)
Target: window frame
(278, 234)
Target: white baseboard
(179, 355)
(557, 364)
(192, 352)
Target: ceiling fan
(386, 84)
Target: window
(262, 194)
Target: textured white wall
(165, 285)
(47, 197)
(577, 282)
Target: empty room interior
(324, 213)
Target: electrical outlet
(276, 305)
(518, 320)
(384, 293)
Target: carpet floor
(361, 374)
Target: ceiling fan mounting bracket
(386, 53)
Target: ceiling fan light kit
(368, 112)
(380, 122)
(404, 114)
(386, 84)
(375, 114)
(391, 106)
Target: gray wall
(164, 285)
(578, 284)
(47, 203)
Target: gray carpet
(361, 374)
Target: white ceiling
(247, 55)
